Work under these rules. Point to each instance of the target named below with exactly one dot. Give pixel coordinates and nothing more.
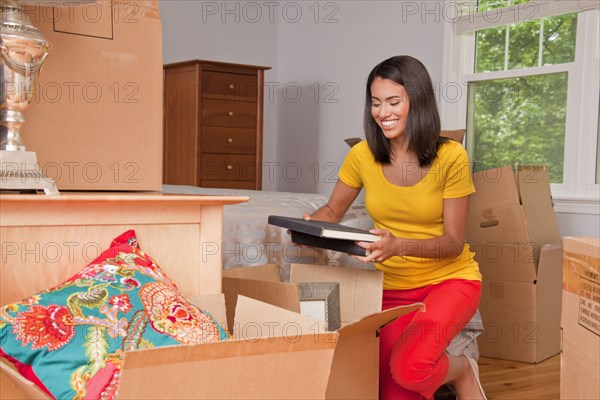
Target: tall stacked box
(580, 321)
(512, 230)
(95, 119)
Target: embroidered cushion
(70, 339)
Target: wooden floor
(513, 380)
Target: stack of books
(326, 235)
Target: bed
(249, 240)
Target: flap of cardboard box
(534, 184)
(14, 386)
(501, 187)
(540, 221)
(256, 319)
(550, 264)
(518, 262)
(284, 295)
(360, 289)
(373, 322)
(494, 188)
(355, 369)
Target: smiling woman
(399, 86)
(417, 186)
(389, 106)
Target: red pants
(413, 364)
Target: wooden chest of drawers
(213, 124)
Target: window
(529, 71)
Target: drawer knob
(230, 113)
(229, 167)
(231, 86)
(229, 140)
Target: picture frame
(321, 300)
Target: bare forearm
(326, 213)
(340, 200)
(444, 247)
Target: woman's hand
(380, 250)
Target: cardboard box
(580, 321)
(309, 365)
(95, 119)
(291, 355)
(275, 354)
(360, 290)
(513, 231)
(513, 208)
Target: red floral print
(171, 314)
(50, 326)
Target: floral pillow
(69, 340)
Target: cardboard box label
(583, 280)
(580, 319)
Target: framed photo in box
(321, 300)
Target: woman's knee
(412, 373)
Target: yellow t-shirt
(414, 212)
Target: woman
(417, 188)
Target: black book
(343, 245)
(324, 234)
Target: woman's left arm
(449, 245)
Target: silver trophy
(23, 51)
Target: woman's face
(389, 107)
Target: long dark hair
(422, 131)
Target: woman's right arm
(340, 200)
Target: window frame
(578, 193)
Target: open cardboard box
(275, 353)
(580, 321)
(274, 361)
(360, 289)
(512, 230)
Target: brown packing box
(580, 321)
(95, 119)
(360, 290)
(282, 355)
(512, 230)
(297, 365)
(511, 208)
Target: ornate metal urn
(23, 50)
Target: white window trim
(468, 20)
(579, 194)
